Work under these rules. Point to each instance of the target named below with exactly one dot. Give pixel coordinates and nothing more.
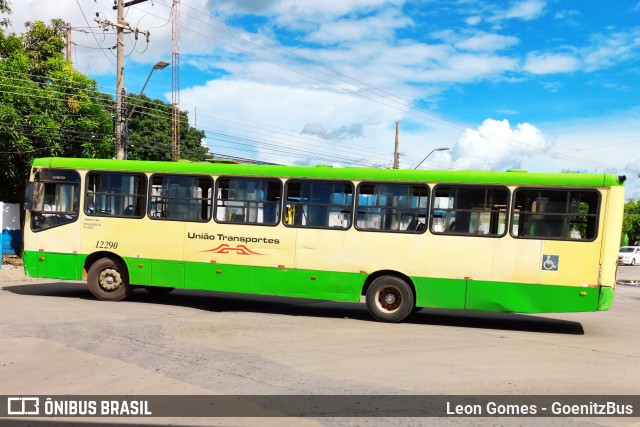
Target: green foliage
(5, 7)
(631, 221)
(46, 107)
(43, 46)
(149, 132)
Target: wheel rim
(389, 299)
(110, 280)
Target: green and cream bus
(398, 240)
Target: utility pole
(121, 27)
(396, 154)
(68, 46)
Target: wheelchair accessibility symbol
(550, 262)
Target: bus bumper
(606, 298)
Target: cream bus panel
(422, 255)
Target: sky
(540, 85)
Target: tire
(158, 290)
(108, 280)
(390, 299)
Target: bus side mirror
(28, 196)
(32, 196)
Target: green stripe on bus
(357, 174)
(336, 286)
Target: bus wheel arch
(107, 276)
(390, 296)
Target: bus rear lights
(362, 272)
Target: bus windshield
(56, 199)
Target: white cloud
(467, 68)
(526, 10)
(486, 42)
(609, 49)
(496, 146)
(473, 20)
(379, 26)
(566, 15)
(549, 63)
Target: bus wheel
(158, 290)
(108, 280)
(390, 299)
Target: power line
(408, 106)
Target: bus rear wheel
(108, 280)
(390, 299)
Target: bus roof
(321, 172)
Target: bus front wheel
(108, 280)
(390, 299)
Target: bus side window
(555, 214)
(469, 210)
(318, 204)
(248, 200)
(115, 194)
(392, 207)
(180, 197)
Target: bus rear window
(115, 194)
(248, 200)
(555, 214)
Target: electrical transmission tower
(175, 77)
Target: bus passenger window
(392, 207)
(469, 210)
(180, 197)
(318, 204)
(115, 194)
(555, 214)
(248, 201)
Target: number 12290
(105, 244)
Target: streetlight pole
(431, 152)
(160, 65)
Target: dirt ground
(55, 339)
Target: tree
(5, 7)
(631, 221)
(149, 132)
(46, 107)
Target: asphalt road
(55, 338)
